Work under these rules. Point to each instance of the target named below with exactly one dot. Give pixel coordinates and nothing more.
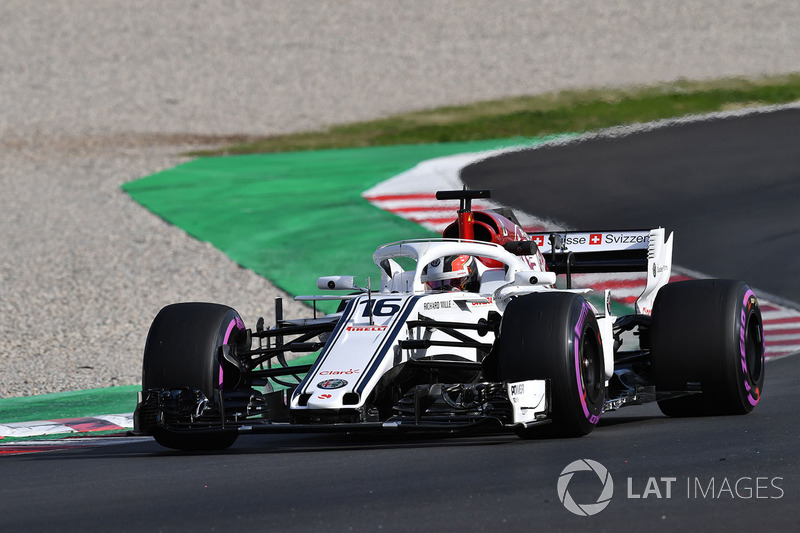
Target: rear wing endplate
(576, 252)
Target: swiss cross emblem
(595, 238)
(539, 240)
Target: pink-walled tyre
(555, 336)
(181, 352)
(707, 338)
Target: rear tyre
(555, 336)
(707, 335)
(181, 352)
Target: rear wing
(575, 252)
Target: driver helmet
(455, 272)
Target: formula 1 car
(466, 332)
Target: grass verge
(536, 116)
(73, 404)
(83, 403)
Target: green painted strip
(93, 434)
(85, 403)
(75, 404)
(292, 217)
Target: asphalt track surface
(352, 483)
(358, 483)
(729, 189)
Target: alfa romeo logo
(585, 509)
(332, 384)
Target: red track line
(771, 332)
(390, 197)
(17, 450)
(785, 320)
(427, 208)
(779, 343)
(433, 220)
(88, 424)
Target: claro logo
(348, 372)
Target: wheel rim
(591, 367)
(754, 353)
(234, 328)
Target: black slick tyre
(707, 337)
(555, 336)
(181, 352)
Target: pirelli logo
(366, 328)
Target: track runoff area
(362, 198)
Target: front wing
(503, 405)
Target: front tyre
(555, 336)
(707, 336)
(181, 352)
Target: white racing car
(467, 332)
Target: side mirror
(521, 247)
(533, 277)
(337, 283)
